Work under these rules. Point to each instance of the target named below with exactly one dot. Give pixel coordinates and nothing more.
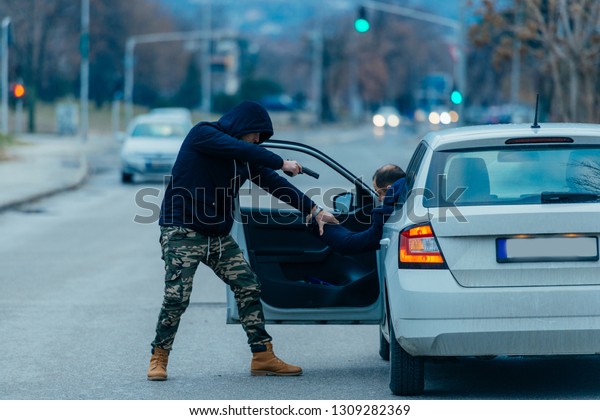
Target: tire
(126, 178)
(407, 373)
(384, 346)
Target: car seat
(470, 175)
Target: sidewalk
(40, 165)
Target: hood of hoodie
(247, 117)
(396, 193)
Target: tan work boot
(265, 363)
(158, 365)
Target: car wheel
(407, 373)
(126, 178)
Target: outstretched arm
(281, 188)
(347, 242)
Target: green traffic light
(456, 97)
(361, 25)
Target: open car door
(304, 280)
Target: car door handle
(385, 242)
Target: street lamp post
(157, 37)
(206, 64)
(206, 103)
(317, 73)
(85, 67)
(4, 52)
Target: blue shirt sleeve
(347, 242)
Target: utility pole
(4, 87)
(317, 73)
(85, 67)
(206, 64)
(515, 74)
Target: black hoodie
(213, 163)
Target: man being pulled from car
(389, 184)
(215, 159)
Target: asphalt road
(81, 287)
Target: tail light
(419, 249)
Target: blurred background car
(386, 116)
(151, 144)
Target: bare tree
(41, 30)
(45, 52)
(585, 175)
(569, 36)
(560, 42)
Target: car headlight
(445, 118)
(434, 118)
(393, 121)
(378, 120)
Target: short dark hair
(387, 175)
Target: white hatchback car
(151, 144)
(494, 252)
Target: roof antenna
(535, 119)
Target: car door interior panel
(298, 270)
(302, 278)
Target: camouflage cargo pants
(183, 250)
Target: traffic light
(456, 97)
(361, 24)
(18, 90)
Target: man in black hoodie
(215, 159)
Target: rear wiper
(568, 197)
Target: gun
(305, 171)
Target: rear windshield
(513, 175)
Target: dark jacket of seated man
(348, 242)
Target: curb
(79, 180)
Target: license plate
(157, 165)
(549, 248)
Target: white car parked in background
(152, 143)
(494, 252)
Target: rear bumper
(434, 316)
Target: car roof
(496, 134)
(159, 117)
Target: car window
(512, 175)
(162, 129)
(414, 165)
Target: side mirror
(343, 202)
